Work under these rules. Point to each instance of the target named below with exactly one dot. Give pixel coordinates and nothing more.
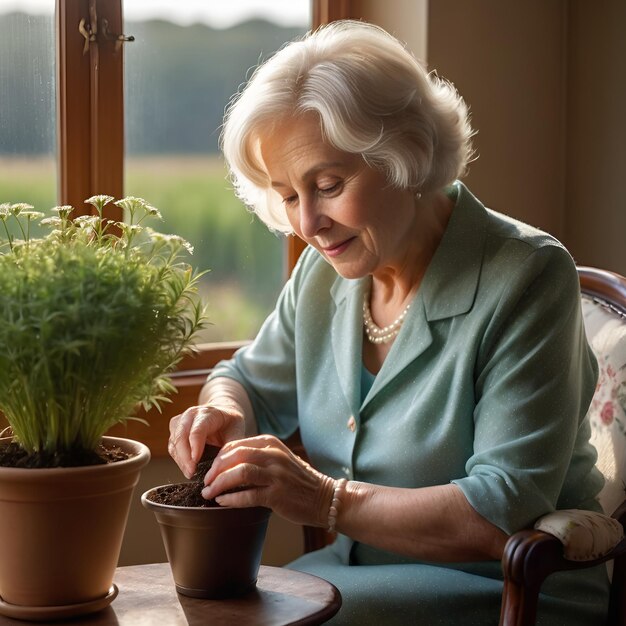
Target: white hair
(373, 98)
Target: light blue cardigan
(486, 386)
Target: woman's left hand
(265, 472)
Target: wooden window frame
(90, 130)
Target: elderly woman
(429, 350)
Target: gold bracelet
(333, 511)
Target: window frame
(90, 142)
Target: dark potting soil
(188, 494)
(13, 455)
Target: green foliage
(246, 259)
(95, 314)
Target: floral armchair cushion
(606, 332)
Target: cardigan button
(352, 424)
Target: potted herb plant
(95, 314)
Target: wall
(405, 19)
(546, 83)
(596, 133)
(506, 60)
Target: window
(27, 114)
(179, 74)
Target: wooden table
(147, 597)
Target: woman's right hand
(200, 425)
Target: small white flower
(177, 240)
(127, 228)
(86, 221)
(153, 211)
(155, 235)
(99, 201)
(63, 210)
(130, 203)
(16, 209)
(134, 228)
(52, 221)
(32, 215)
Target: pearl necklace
(376, 334)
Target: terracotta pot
(214, 552)
(61, 531)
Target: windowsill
(207, 355)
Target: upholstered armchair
(576, 539)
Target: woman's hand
(266, 473)
(201, 425)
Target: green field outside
(245, 260)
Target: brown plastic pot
(214, 552)
(61, 531)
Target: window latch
(89, 30)
(119, 38)
(85, 30)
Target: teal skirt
(438, 595)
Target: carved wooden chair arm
(532, 555)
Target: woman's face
(336, 203)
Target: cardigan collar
(450, 282)
(448, 289)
